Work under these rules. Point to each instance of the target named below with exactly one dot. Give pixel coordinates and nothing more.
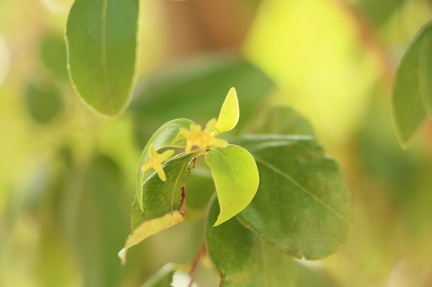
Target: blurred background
(67, 176)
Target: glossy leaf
(425, 69)
(164, 202)
(407, 109)
(236, 178)
(303, 205)
(229, 113)
(162, 138)
(242, 258)
(102, 43)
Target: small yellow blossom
(156, 160)
(203, 139)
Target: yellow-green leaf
(236, 178)
(148, 228)
(229, 113)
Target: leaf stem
(201, 252)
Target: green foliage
(236, 179)
(412, 91)
(242, 258)
(303, 206)
(44, 101)
(102, 43)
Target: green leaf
(303, 205)
(229, 113)
(102, 42)
(52, 51)
(164, 202)
(242, 258)
(407, 109)
(425, 69)
(44, 101)
(162, 138)
(236, 178)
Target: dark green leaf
(196, 90)
(162, 138)
(425, 69)
(101, 38)
(164, 202)
(242, 258)
(303, 205)
(406, 104)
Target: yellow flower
(156, 160)
(202, 139)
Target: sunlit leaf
(149, 228)
(425, 69)
(236, 178)
(162, 138)
(102, 44)
(242, 258)
(407, 109)
(229, 113)
(164, 202)
(303, 205)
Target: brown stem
(201, 252)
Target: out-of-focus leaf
(282, 121)
(229, 113)
(425, 69)
(303, 205)
(102, 43)
(96, 221)
(162, 138)
(242, 258)
(407, 109)
(164, 202)
(236, 178)
(44, 101)
(195, 90)
(52, 52)
(163, 277)
(378, 12)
